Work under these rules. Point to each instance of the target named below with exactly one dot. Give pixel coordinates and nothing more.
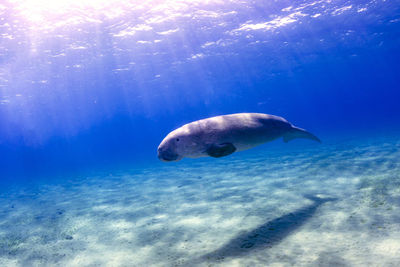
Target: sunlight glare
(39, 11)
(49, 14)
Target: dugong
(222, 135)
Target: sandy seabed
(335, 204)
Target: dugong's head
(172, 147)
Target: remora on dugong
(222, 135)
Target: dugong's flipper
(221, 150)
(296, 132)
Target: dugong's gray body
(222, 135)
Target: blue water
(82, 88)
(94, 86)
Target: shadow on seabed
(266, 235)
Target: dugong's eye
(177, 139)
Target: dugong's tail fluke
(296, 132)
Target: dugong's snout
(167, 155)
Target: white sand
(335, 204)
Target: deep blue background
(81, 97)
